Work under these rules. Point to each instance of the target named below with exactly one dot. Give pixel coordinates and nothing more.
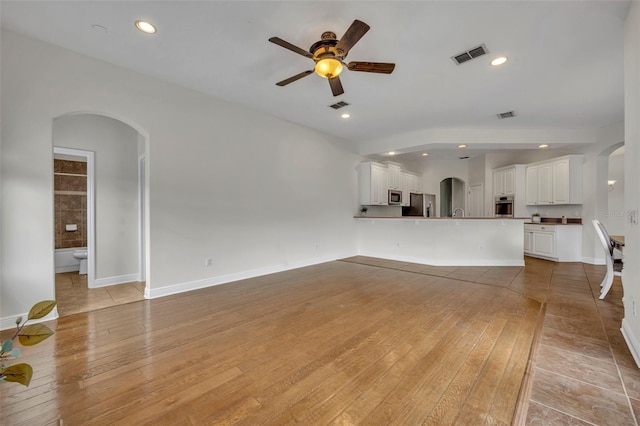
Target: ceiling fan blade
(294, 78)
(287, 45)
(377, 67)
(351, 37)
(336, 86)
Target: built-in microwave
(395, 197)
(504, 206)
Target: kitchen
(514, 193)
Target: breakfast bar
(448, 241)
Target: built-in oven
(504, 206)
(395, 197)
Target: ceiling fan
(329, 54)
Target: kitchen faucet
(456, 210)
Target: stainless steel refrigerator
(420, 205)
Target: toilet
(81, 255)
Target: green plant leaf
(20, 373)
(33, 334)
(41, 309)
(7, 345)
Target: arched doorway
(113, 223)
(452, 197)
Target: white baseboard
(224, 279)
(632, 341)
(104, 282)
(7, 323)
(446, 262)
(593, 260)
(69, 268)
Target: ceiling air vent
(507, 114)
(339, 105)
(470, 54)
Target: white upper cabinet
(411, 183)
(558, 181)
(376, 179)
(505, 180)
(373, 184)
(531, 177)
(545, 184)
(561, 181)
(395, 176)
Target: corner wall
(250, 192)
(631, 272)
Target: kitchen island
(446, 241)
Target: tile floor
(582, 372)
(74, 297)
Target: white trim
(224, 279)
(7, 323)
(122, 279)
(91, 215)
(141, 217)
(445, 262)
(632, 341)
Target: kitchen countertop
(441, 218)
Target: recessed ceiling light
(345, 115)
(462, 145)
(499, 61)
(392, 153)
(544, 145)
(425, 154)
(145, 27)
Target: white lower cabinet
(562, 243)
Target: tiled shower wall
(70, 194)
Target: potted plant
(28, 335)
(363, 210)
(535, 217)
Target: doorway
(452, 196)
(116, 260)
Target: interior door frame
(91, 215)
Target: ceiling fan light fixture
(328, 67)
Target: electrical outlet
(208, 261)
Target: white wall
(631, 272)
(116, 187)
(254, 193)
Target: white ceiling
(565, 68)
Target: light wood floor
(362, 341)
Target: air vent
(339, 105)
(507, 114)
(470, 54)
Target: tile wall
(70, 195)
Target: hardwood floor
(360, 341)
